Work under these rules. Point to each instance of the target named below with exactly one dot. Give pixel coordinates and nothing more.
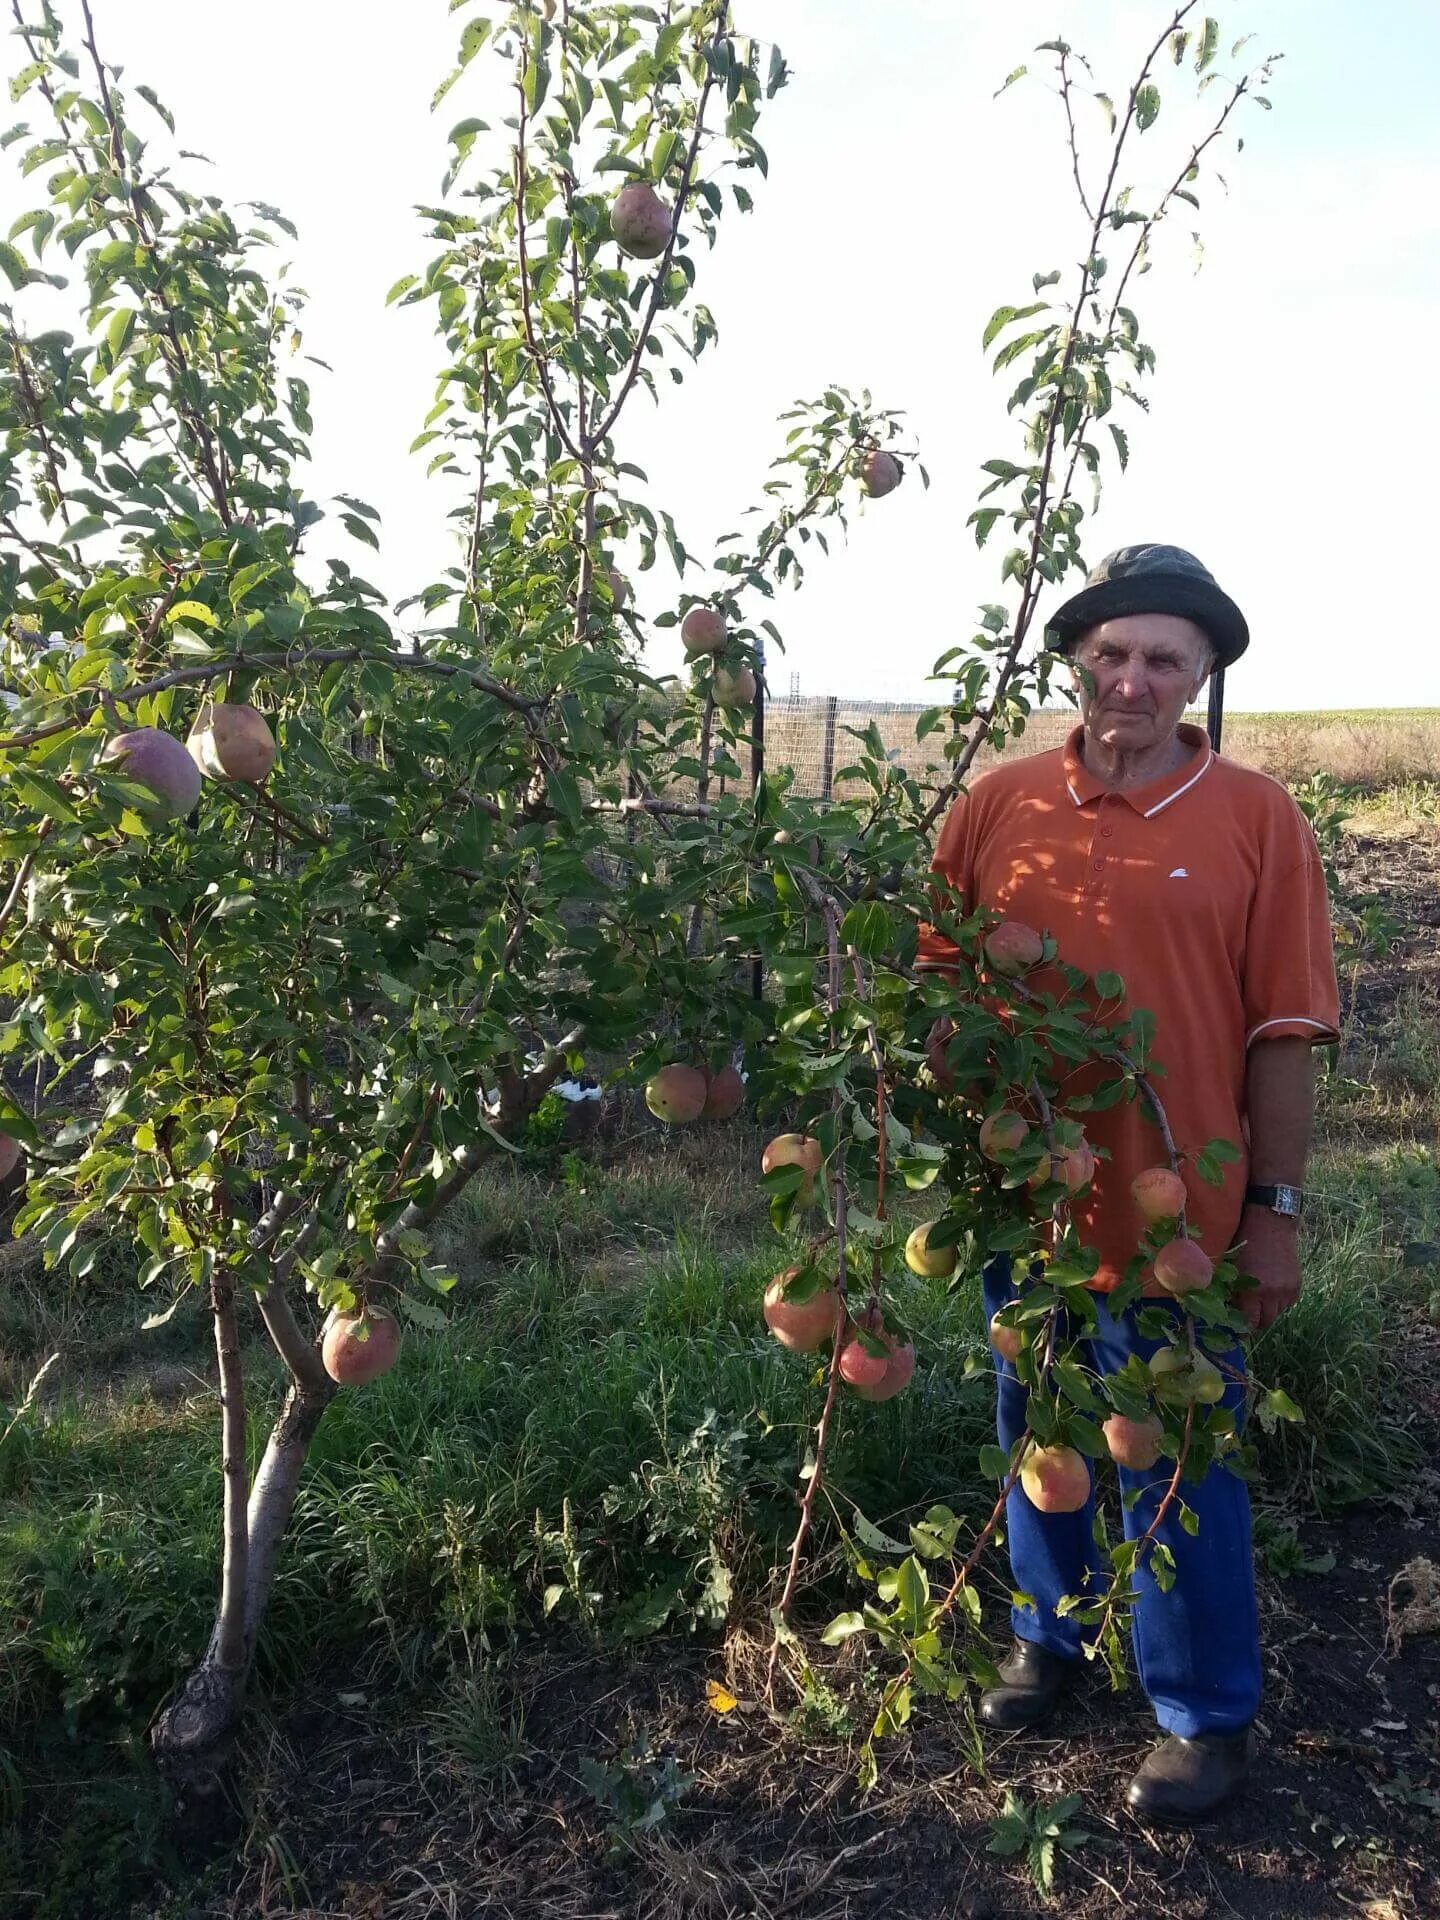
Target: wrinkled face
(1136, 676)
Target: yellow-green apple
(794, 1150)
(1008, 1342)
(733, 687)
(676, 1094)
(936, 1263)
(1055, 1479)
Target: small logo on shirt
(1180, 873)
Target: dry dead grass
(1373, 748)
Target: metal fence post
(827, 763)
(757, 771)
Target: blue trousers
(1197, 1647)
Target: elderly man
(1198, 881)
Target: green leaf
(1147, 105)
(842, 1628)
(195, 611)
(15, 268)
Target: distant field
(1372, 747)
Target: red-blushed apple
(1002, 1134)
(859, 1368)
(1133, 1443)
(733, 687)
(794, 1150)
(930, 1264)
(640, 221)
(357, 1348)
(702, 631)
(1008, 1342)
(1076, 1167)
(899, 1371)
(801, 1325)
(676, 1094)
(881, 473)
(1014, 948)
(1055, 1479)
(230, 741)
(723, 1095)
(9, 1155)
(1182, 1266)
(1159, 1193)
(158, 761)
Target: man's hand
(1271, 1253)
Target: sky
(1292, 418)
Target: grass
(605, 1445)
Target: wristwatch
(1289, 1201)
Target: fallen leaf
(718, 1699)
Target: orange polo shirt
(1204, 892)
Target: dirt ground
(353, 1814)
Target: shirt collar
(1156, 794)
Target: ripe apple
(899, 1371)
(1008, 1342)
(860, 1368)
(938, 1265)
(725, 1092)
(1001, 1134)
(1041, 1172)
(800, 1325)
(1076, 1167)
(158, 761)
(358, 1347)
(733, 687)
(1134, 1443)
(1182, 1266)
(1055, 1479)
(1013, 948)
(1159, 1193)
(881, 473)
(9, 1155)
(676, 1094)
(794, 1150)
(640, 221)
(230, 741)
(702, 631)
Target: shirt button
(1099, 866)
(1106, 832)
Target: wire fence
(815, 738)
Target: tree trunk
(192, 1736)
(207, 1705)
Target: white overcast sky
(1294, 415)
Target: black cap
(1152, 579)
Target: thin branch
(662, 270)
(22, 873)
(87, 704)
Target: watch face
(1288, 1200)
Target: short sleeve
(1290, 989)
(954, 869)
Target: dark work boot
(1184, 1780)
(1033, 1680)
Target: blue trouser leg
(1197, 1647)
